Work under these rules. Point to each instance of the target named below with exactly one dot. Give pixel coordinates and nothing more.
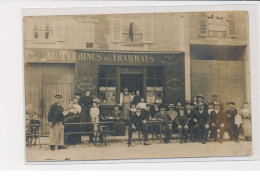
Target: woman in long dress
(86, 103)
(119, 125)
(245, 114)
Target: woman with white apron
(246, 121)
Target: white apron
(57, 134)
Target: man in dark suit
(137, 98)
(190, 113)
(214, 121)
(138, 123)
(166, 123)
(215, 100)
(229, 122)
(200, 100)
(200, 119)
(182, 122)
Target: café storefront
(158, 75)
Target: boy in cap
(34, 127)
(56, 120)
(182, 122)
(137, 123)
(173, 114)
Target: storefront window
(154, 89)
(107, 84)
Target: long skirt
(73, 138)
(119, 127)
(85, 117)
(126, 108)
(57, 134)
(246, 128)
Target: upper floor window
(217, 24)
(44, 29)
(132, 29)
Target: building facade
(167, 56)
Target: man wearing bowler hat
(56, 120)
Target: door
(132, 81)
(43, 82)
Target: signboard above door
(131, 70)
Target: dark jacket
(165, 117)
(190, 115)
(137, 120)
(136, 100)
(147, 114)
(154, 112)
(86, 101)
(230, 116)
(216, 118)
(202, 118)
(182, 120)
(55, 115)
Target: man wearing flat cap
(229, 122)
(138, 122)
(56, 120)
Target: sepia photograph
(137, 86)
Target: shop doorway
(132, 81)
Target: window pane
(158, 83)
(111, 72)
(102, 72)
(158, 73)
(111, 82)
(102, 82)
(150, 82)
(150, 72)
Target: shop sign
(44, 55)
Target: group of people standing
(192, 121)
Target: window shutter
(231, 22)
(28, 27)
(148, 29)
(59, 28)
(203, 24)
(116, 29)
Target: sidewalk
(117, 149)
